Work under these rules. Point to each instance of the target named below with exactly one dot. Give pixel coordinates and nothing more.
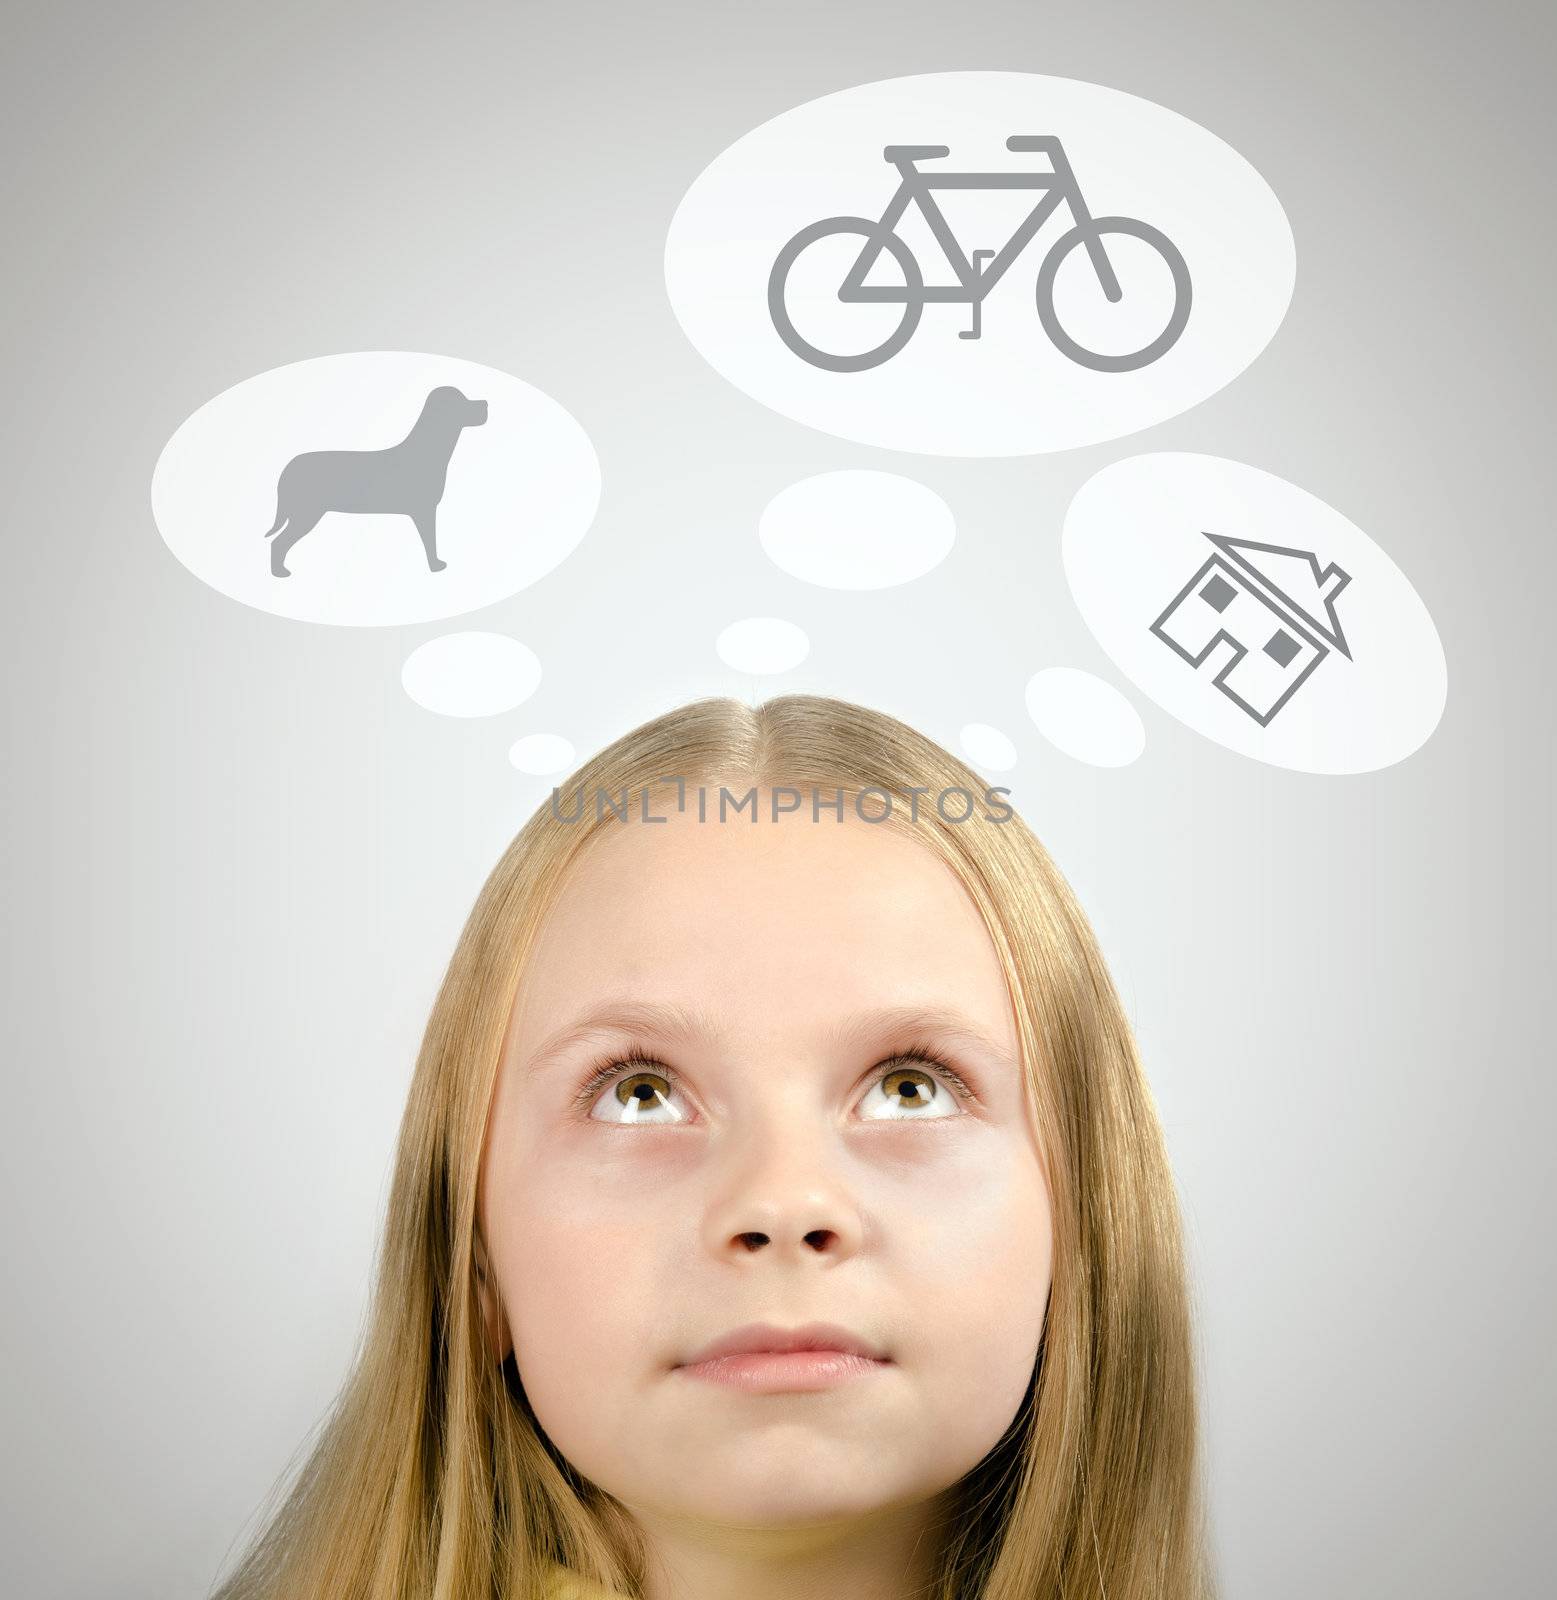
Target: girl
(780, 1209)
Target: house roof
(1295, 578)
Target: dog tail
(279, 523)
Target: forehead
(765, 924)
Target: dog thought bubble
(375, 488)
(979, 263)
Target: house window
(1281, 647)
(1218, 593)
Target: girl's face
(778, 1160)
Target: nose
(782, 1192)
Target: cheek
(985, 1258)
(578, 1279)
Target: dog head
(446, 401)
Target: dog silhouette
(408, 477)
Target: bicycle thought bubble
(1255, 613)
(979, 263)
(375, 488)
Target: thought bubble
(541, 754)
(471, 674)
(1115, 268)
(396, 487)
(988, 747)
(1255, 613)
(857, 529)
(762, 645)
(1085, 717)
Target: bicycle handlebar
(1043, 142)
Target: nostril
(752, 1241)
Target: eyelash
(613, 1066)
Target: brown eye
(639, 1096)
(912, 1090)
(639, 1090)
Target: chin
(778, 1500)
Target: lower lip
(772, 1372)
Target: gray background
(239, 855)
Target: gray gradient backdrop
(239, 855)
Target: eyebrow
(689, 1022)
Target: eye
(917, 1085)
(924, 1092)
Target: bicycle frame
(973, 285)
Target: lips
(760, 1338)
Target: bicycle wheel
(913, 302)
(1128, 361)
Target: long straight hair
(430, 1478)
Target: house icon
(1275, 606)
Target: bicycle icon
(975, 280)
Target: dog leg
(427, 526)
(289, 535)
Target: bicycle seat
(915, 152)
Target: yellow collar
(566, 1584)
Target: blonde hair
(431, 1479)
